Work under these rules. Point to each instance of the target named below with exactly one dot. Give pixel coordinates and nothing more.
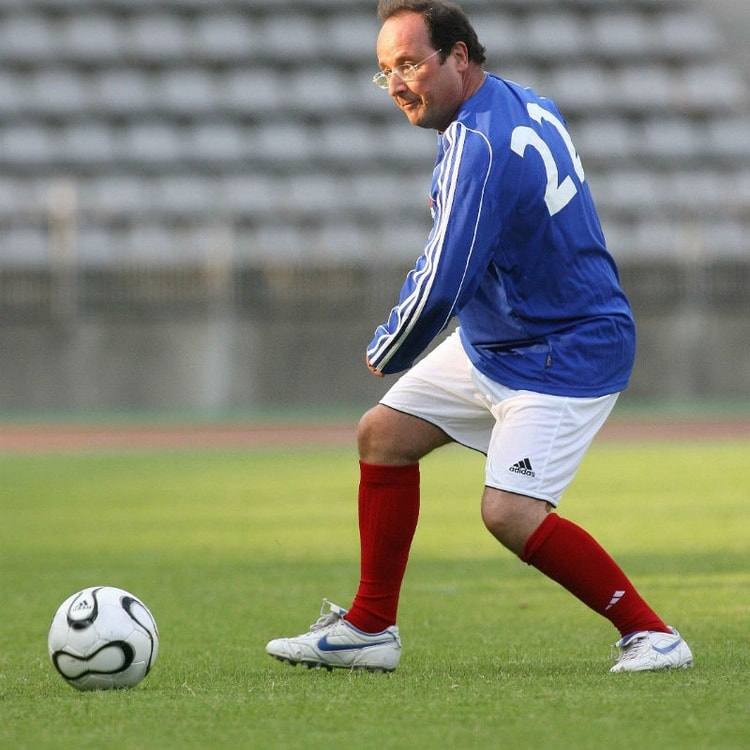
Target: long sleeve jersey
(516, 253)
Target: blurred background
(207, 205)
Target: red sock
(388, 513)
(571, 556)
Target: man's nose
(395, 84)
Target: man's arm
(457, 252)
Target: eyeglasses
(406, 72)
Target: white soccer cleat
(648, 650)
(334, 642)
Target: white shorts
(534, 442)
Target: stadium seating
(168, 116)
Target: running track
(76, 438)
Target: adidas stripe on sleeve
(447, 272)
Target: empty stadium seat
(351, 142)
(404, 241)
(14, 198)
(553, 35)
(252, 196)
(404, 144)
(288, 37)
(187, 91)
(35, 193)
(152, 143)
(618, 236)
(501, 35)
(28, 38)
(283, 242)
(351, 37)
(158, 38)
(738, 190)
(116, 196)
(283, 143)
(644, 88)
(314, 195)
(378, 192)
(362, 96)
(337, 240)
(686, 33)
(729, 237)
(583, 87)
(12, 97)
(661, 238)
(395, 194)
(729, 137)
(258, 92)
(28, 244)
(607, 139)
(534, 77)
(187, 196)
(98, 244)
(222, 37)
(671, 139)
(27, 145)
(216, 143)
(91, 38)
(185, 6)
(88, 143)
(154, 242)
(122, 91)
(321, 90)
(706, 88)
(695, 192)
(628, 192)
(58, 91)
(621, 34)
(715, 193)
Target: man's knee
(378, 440)
(512, 518)
(369, 434)
(389, 437)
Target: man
(545, 344)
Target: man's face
(433, 97)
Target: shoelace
(330, 614)
(634, 649)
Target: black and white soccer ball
(103, 638)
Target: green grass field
(229, 550)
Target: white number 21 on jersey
(557, 194)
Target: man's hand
(372, 369)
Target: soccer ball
(103, 638)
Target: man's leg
(434, 403)
(567, 554)
(537, 444)
(391, 443)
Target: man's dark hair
(446, 24)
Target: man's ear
(460, 52)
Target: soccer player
(545, 343)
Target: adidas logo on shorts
(523, 467)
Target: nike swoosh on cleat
(669, 648)
(324, 645)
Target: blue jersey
(517, 254)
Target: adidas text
(523, 467)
